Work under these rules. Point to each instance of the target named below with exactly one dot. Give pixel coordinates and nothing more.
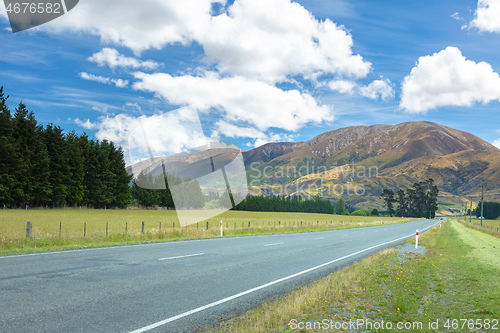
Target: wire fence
(486, 227)
(16, 230)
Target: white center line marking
(273, 244)
(178, 257)
(249, 291)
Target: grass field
(489, 223)
(56, 229)
(491, 227)
(454, 287)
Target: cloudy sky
(256, 71)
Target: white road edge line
(249, 291)
(273, 244)
(319, 238)
(178, 257)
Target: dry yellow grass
(71, 223)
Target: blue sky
(256, 71)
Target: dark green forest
(418, 201)
(41, 166)
(189, 191)
(286, 204)
(491, 210)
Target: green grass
(59, 229)
(475, 220)
(486, 227)
(489, 223)
(456, 279)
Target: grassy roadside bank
(62, 229)
(454, 287)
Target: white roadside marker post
(416, 242)
(221, 228)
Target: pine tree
(340, 207)
(76, 188)
(432, 201)
(35, 180)
(11, 163)
(121, 179)
(388, 197)
(59, 169)
(402, 201)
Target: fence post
(249, 224)
(29, 230)
(160, 226)
(126, 227)
(106, 229)
(207, 225)
(143, 227)
(60, 229)
(279, 223)
(84, 229)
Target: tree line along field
(72, 222)
(41, 166)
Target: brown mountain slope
(396, 156)
(402, 142)
(270, 151)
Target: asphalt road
(176, 286)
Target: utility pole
(470, 211)
(482, 200)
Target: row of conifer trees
(43, 166)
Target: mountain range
(357, 163)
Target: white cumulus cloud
(260, 39)
(233, 131)
(342, 86)
(447, 78)
(270, 40)
(496, 143)
(378, 89)
(257, 103)
(487, 16)
(112, 58)
(163, 134)
(138, 25)
(260, 138)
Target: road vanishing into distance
(175, 286)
